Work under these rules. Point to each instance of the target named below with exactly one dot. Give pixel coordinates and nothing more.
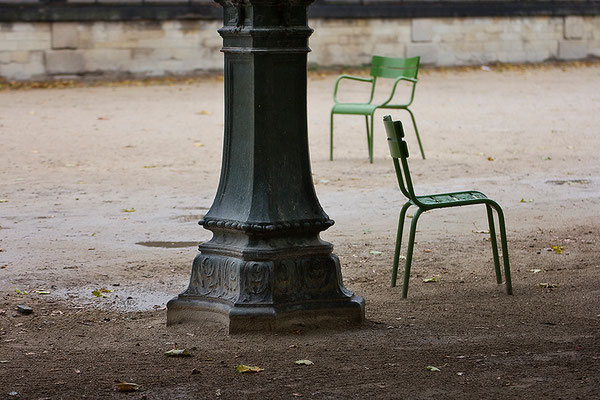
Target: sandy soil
(72, 160)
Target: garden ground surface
(87, 173)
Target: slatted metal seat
(449, 199)
(399, 153)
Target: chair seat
(354, 108)
(449, 199)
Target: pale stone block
(42, 27)
(136, 34)
(21, 57)
(512, 57)
(540, 50)
(360, 40)
(389, 49)
(513, 36)
(65, 62)
(343, 39)
(144, 54)
(572, 49)
(594, 48)
(107, 59)
(65, 35)
(595, 27)
(34, 68)
(212, 43)
(494, 26)
(574, 27)
(422, 30)
(446, 58)
(442, 27)
(492, 46)
(427, 51)
(468, 46)
(15, 41)
(5, 57)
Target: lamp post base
(322, 314)
(269, 295)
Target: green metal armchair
(400, 69)
(399, 153)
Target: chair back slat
(389, 67)
(399, 152)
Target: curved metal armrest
(412, 94)
(352, 78)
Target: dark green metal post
(266, 267)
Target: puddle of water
(122, 299)
(169, 245)
(569, 182)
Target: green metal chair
(399, 153)
(400, 69)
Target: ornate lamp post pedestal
(266, 267)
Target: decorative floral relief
(256, 286)
(214, 276)
(266, 282)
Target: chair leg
(507, 278)
(331, 138)
(416, 132)
(372, 135)
(409, 252)
(399, 242)
(369, 134)
(494, 244)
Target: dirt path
(74, 163)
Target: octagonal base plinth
(236, 319)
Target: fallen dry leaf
(557, 249)
(548, 285)
(127, 387)
(247, 368)
(303, 362)
(178, 353)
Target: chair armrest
(412, 94)
(352, 78)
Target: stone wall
(43, 50)
(456, 41)
(67, 49)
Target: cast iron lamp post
(265, 267)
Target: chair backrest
(399, 153)
(389, 67)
